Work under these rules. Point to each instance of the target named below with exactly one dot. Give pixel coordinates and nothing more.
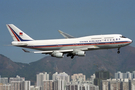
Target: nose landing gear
(118, 50)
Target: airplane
(70, 45)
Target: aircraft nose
(130, 40)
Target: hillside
(93, 61)
(8, 67)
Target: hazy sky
(41, 19)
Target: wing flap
(47, 52)
(42, 52)
(62, 51)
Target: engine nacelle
(79, 53)
(57, 54)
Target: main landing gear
(71, 55)
(118, 50)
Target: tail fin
(17, 34)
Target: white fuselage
(91, 42)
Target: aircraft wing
(63, 51)
(42, 52)
(65, 35)
(47, 52)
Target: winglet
(65, 34)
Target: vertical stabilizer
(17, 34)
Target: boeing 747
(71, 46)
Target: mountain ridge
(95, 60)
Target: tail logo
(20, 33)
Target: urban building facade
(15, 83)
(81, 86)
(40, 78)
(78, 77)
(127, 75)
(48, 85)
(61, 76)
(118, 84)
(61, 81)
(101, 75)
(5, 86)
(17, 78)
(4, 80)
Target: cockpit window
(122, 36)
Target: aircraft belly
(109, 46)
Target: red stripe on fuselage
(83, 44)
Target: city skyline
(62, 81)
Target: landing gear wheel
(118, 50)
(68, 55)
(72, 56)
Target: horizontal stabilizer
(26, 51)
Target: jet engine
(79, 53)
(57, 54)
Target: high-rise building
(59, 85)
(133, 84)
(5, 86)
(118, 75)
(101, 75)
(4, 80)
(78, 77)
(127, 75)
(1, 86)
(40, 78)
(54, 76)
(133, 74)
(48, 85)
(105, 85)
(115, 85)
(126, 85)
(81, 86)
(34, 88)
(17, 85)
(60, 80)
(118, 84)
(61, 76)
(27, 85)
(17, 78)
